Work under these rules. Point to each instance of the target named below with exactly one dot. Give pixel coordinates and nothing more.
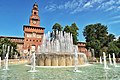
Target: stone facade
(33, 33)
(82, 48)
(18, 40)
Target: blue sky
(15, 13)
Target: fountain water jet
(110, 60)
(33, 61)
(76, 59)
(114, 61)
(105, 62)
(100, 60)
(60, 42)
(0, 62)
(6, 59)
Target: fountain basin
(61, 59)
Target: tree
(111, 37)
(117, 43)
(112, 48)
(7, 42)
(67, 29)
(73, 30)
(96, 37)
(57, 26)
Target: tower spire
(34, 18)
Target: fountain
(114, 61)
(0, 62)
(6, 59)
(93, 53)
(57, 50)
(59, 42)
(76, 59)
(100, 60)
(105, 62)
(33, 60)
(110, 60)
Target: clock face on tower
(34, 22)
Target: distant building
(18, 40)
(82, 48)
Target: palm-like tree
(7, 42)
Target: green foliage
(7, 43)
(57, 26)
(67, 29)
(112, 48)
(111, 37)
(73, 30)
(97, 37)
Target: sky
(15, 13)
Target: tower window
(35, 13)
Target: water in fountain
(6, 59)
(83, 55)
(60, 42)
(93, 53)
(33, 61)
(0, 62)
(114, 61)
(110, 60)
(100, 60)
(105, 62)
(76, 59)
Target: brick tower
(33, 33)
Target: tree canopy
(97, 38)
(73, 29)
(6, 42)
(57, 26)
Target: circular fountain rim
(59, 66)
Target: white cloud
(74, 6)
(110, 8)
(51, 7)
(118, 2)
(88, 4)
(115, 22)
(78, 9)
(71, 4)
(60, 7)
(111, 2)
(116, 17)
(97, 1)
